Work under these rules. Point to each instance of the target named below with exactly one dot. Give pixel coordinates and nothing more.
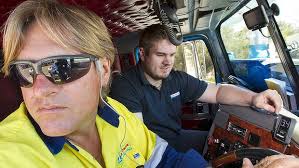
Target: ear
(141, 53)
(106, 70)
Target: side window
(193, 57)
(205, 62)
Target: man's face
(160, 59)
(58, 109)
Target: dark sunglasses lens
(65, 70)
(24, 74)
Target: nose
(167, 60)
(42, 87)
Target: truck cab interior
(253, 44)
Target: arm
(233, 95)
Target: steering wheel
(239, 82)
(239, 154)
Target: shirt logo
(123, 153)
(136, 155)
(175, 95)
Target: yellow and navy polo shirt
(126, 143)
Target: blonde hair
(71, 27)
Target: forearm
(233, 95)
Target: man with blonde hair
(61, 57)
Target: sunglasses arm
(99, 66)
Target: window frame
(200, 36)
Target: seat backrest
(10, 94)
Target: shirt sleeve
(173, 159)
(191, 88)
(124, 91)
(165, 156)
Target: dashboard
(235, 128)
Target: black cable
(98, 67)
(247, 7)
(124, 136)
(263, 34)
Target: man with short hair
(156, 92)
(61, 57)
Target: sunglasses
(59, 69)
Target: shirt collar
(141, 75)
(109, 114)
(55, 144)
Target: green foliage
(204, 55)
(204, 58)
(179, 63)
(287, 29)
(236, 41)
(290, 33)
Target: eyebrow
(165, 53)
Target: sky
(289, 12)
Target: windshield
(253, 55)
(288, 22)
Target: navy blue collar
(141, 75)
(55, 144)
(109, 115)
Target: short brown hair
(150, 35)
(71, 27)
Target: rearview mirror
(256, 18)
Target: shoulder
(126, 85)
(121, 109)
(128, 79)
(17, 128)
(13, 124)
(132, 121)
(174, 74)
(129, 75)
(21, 155)
(19, 142)
(181, 78)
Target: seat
(10, 98)
(10, 94)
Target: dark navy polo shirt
(161, 109)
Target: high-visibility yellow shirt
(126, 142)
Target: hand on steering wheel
(240, 154)
(275, 161)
